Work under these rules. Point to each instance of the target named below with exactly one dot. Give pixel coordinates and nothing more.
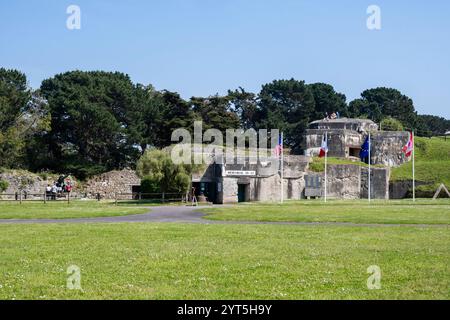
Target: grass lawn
(432, 163)
(392, 212)
(185, 261)
(63, 210)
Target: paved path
(188, 214)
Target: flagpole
(369, 168)
(282, 166)
(414, 169)
(326, 156)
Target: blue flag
(364, 153)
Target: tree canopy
(86, 123)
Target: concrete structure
(230, 183)
(345, 137)
(262, 182)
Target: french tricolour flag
(323, 148)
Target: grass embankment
(318, 164)
(63, 210)
(379, 212)
(432, 164)
(176, 261)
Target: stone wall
(387, 147)
(111, 183)
(25, 181)
(30, 183)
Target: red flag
(323, 148)
(408, 148)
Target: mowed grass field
(63, 210)
(390, 212)
(186, 261)
(235, 261)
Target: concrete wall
(379, 184)
(344, 181)
(387, 147)
(228, 190)
(349, 182)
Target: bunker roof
(344, 120)
(344, 123)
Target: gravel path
(188, 214)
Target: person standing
(48, 192)
(54, 191)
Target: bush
(160, 174)
(3, 185)
(149, 185)
(391, 124)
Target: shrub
(391, 124)
(149, 185)
(3, 185)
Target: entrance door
(242, 192)
(208, 189)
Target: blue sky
(203, 47)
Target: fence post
(140, 195)
(163, 197)
(68, 197)
(20, 196)
(115, 199)
(45, 197)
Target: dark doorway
(208, 189)
(354, 152)
(242, 192)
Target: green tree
(90, 121)
(146, 117)
(160, 174)
(286, 105)
(177, 113)
(378, 103)
(245, 105)
(23, 114)
(428, 125)
(216, 112)
(327, 100)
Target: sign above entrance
(239, 173)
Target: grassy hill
(432, 164)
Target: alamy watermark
(374, 280)
(74, 278)
(73, 21)
(240, 146)
(374, 20)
